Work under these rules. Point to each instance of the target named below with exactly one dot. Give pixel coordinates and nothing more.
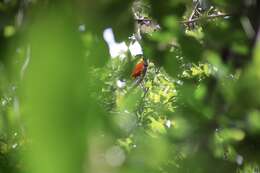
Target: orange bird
(139, 68)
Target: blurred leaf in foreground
(56, 105)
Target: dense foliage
(70, 104)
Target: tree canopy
(129, 86)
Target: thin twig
(192, 20)
(203, 18)
(27, 60)
(193, 11)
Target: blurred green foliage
(66, 105)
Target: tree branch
(205, 18)
(193, 11)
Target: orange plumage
(139, 67)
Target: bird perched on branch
(140, 69)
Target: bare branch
(205, 18)
(193, 11)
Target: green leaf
(9, 31)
